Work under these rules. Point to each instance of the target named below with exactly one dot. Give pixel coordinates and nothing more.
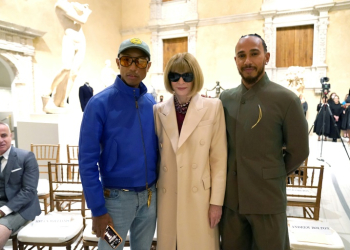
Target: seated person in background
(19, 177)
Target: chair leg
(316, 213)
(58, 206)
(14, 243)
(45, 205)
(20, 246)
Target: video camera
(325, 85)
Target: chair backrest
(304, 187)
(72, 153)
(45, 153)
(305, 162)
(306, 177)
(65, 184)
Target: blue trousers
(130, 212)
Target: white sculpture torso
(72, 16)
(108, 75)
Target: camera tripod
(323, 110)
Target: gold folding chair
(65, 185)
(72, 153)
(304, 190)
(300, 172)
(57, 228)
(43, 154)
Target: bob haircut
(184, 63)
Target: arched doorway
(16, 71)
(6, 79)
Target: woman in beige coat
(192, 171)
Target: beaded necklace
(181, 108)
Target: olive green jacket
(259, 122)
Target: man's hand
(215, 212)
(100, 223)
(2, 214)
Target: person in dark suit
(85, 93)
(303, 103)
(323, 119)
(19, 177)
(336, 109)
(261, 116)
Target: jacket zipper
(144, 150)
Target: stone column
(322, 29)
(270, 40)
(192, 37)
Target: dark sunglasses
(174, 77)
(126, 61)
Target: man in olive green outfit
(261, 116)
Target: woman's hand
(215, 213)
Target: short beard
(252, 80)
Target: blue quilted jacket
(117, 139)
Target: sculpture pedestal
(60, 129)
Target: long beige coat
(192, 173)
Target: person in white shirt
(19, 177)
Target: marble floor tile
(335, 201)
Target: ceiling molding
(141, 30)
(19, 30)
(162, 26)
(230, 19)
(341, 6)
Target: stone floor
(335, 199)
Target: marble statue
(295, 79)
(108, 75)
(72, 16)
(153, 92)
(218, 89)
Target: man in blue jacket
(118, 152)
